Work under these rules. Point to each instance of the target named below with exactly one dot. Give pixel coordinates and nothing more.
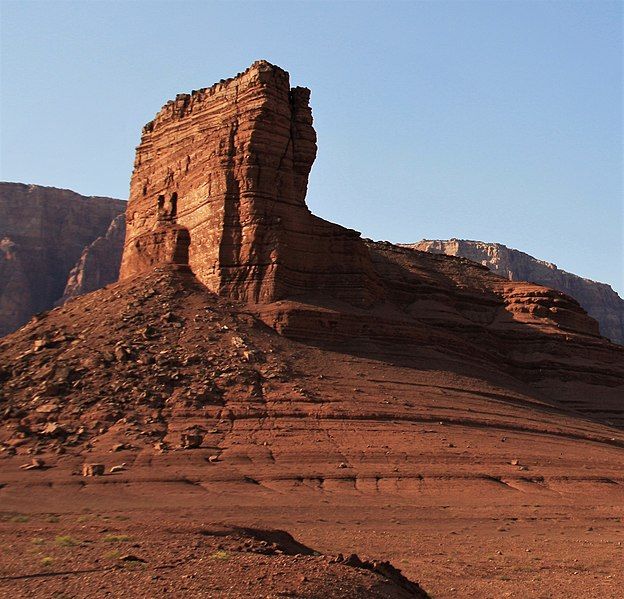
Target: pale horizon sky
(499, 121)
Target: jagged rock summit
(219, 182)
(599, 299)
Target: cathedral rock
(219, 183)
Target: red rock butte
(219, 183)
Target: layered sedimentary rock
(599, 299)
(220, 176)
(219, 186)
(99, 263)
(43, 232)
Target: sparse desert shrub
(19, 518)
(116, 538)
(66, 541)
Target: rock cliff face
(598, 299)
(219, 183)
(43, 232)
(99, 263)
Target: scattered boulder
(35, 464)
(93, 469)
(191, 440)
(53, 429)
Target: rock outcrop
(598, 299)
(43, 232)
(219, 182)
(99, 263)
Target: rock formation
(599, 299)
(43, 232)
(221, 176)
(99, 263)
(219, 188)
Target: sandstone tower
(219, 183)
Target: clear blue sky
(499, 121)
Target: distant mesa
(599, 299)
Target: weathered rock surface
(99, 263)
(43, 232)
(220, 181)
(598, 299)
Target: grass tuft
(66, 541)
(116, 538)
(19, 518)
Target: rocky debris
(598, 299)
(35, 464)
(93, 470)
(43, 232)
(117, 468)
(383, 568)
(99, 379)
(233, 187)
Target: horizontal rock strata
(230, 164)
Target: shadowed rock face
(599, 299)
(99, 262)
(230, 164)
(43, 232)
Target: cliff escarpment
(43, 232)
